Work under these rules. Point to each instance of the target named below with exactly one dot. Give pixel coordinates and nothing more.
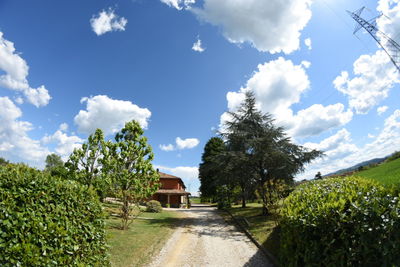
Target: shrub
(339, 222)
(45, 221)
(153, 206)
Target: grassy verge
(144, 238)
(387, 173)
(263, 228)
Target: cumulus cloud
(197, 46)
(107, 21)
(187, 143)
(279, 84)
(381, 110)
(179, 4)
(181, 144)
(189, 173)
(15, 75)
(63, 127)
(307, 42)
(14, 140)
(109, 114)
(169, 147)
(64, 144)
(375, 75)
(342, 153)
(270, 26)
(390, 22)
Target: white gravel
(205, 239)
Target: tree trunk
(265, 210)
(243, 198)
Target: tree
(134, 178)
(263, 148)
(3, 162)
(87, 164)
(53, 161)
(318, 176)
(209, 170)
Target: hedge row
(45, 221)
(341, 222)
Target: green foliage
(55, 166)
(130, 164)
(153, 206)
(259, 151)
(3, 161)
(46, 221)
(387, 173)
(341, 222)
(209, 172)
(88, 164)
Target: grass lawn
(144, 238)
(263, 228)
(386, 173)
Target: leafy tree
(3, 162)
(86, 164)
(134, 178)
(209, 171)
(263, 148)
(55, 166)
(53, 161)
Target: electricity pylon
(388, 44)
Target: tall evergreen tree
(209, 171)
(263, 148)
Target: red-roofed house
(172, 192)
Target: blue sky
(68, 67)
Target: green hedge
(341, 222)
(45, 221)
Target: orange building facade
(172, 192)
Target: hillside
(386, 173)
(355, 167)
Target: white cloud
(307, 42)
(374, 76)
(15, 78)
(197, 46)
(63, 127)
(270, 26)
(179, 4)
(169, 147)
(187, 143)
(371, 136)
(342, 153)
(109, 114)
(64, 144)
(15, 142)
(107, 21)
(381, 110)
(181, 144)
(390, 22)
(279, 84)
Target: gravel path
(204, 239)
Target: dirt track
(204, 239)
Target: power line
(391, 48)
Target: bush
(341, 222)
(46, 221)
(153, 206)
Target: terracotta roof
(164, 175)
(172, 191)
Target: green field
(144, 238)
(387, 173)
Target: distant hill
(355, 167)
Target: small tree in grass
(88, 163)
(134, 178)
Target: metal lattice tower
(388, 44)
